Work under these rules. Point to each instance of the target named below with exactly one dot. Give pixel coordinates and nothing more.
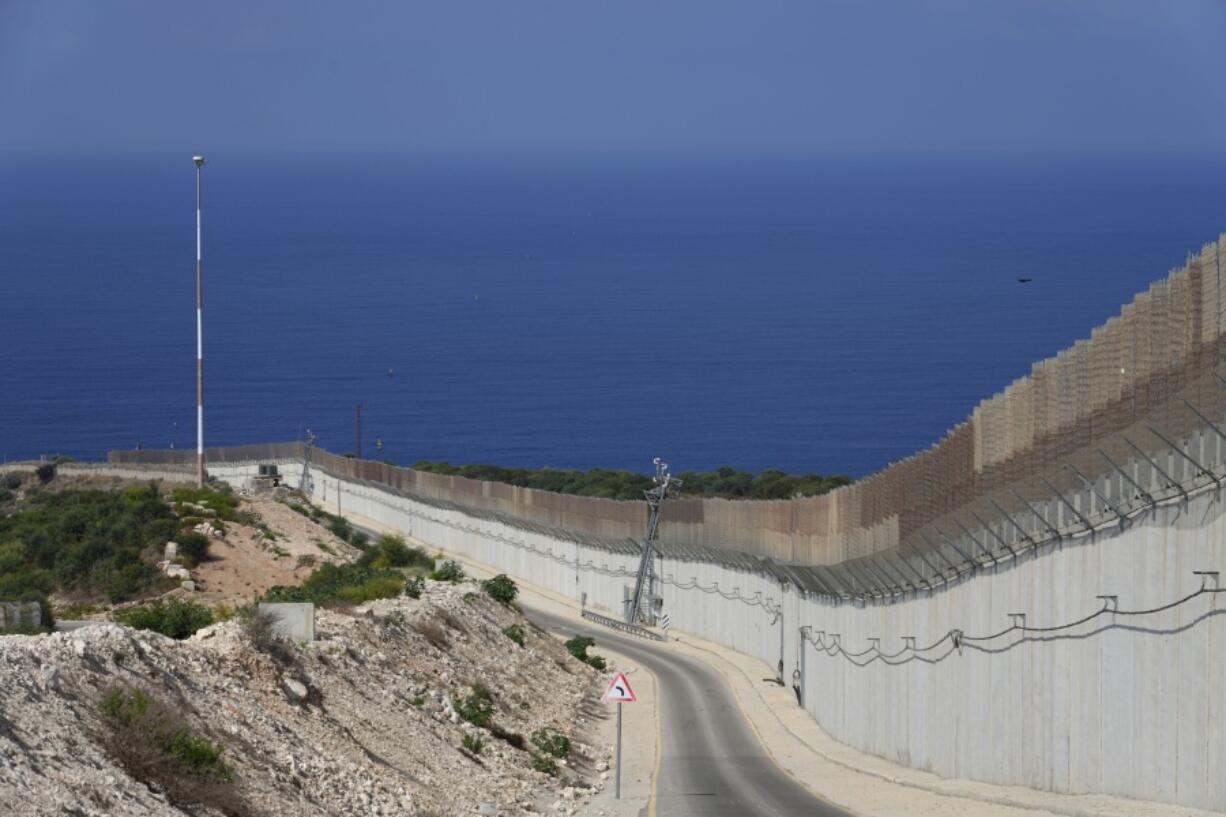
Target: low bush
(448, 571)
(545, 763)
(578, 647)
(501, 588)
(477, 708)
(551, 742)
(515, 633)
(193, 548)
(259, 628)
(156, 745)
(414, 586)
(472, 743)
(391, 551)
(11, 481)
(172, 617)
(45, 472)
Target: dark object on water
(1024, 280)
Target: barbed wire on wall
(830, 643)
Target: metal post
(199, 162)
(617, 777)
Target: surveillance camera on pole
(199, 162)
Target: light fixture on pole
(199, 162)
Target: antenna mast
(646, 580)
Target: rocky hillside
(370, 719)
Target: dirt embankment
(361, 722)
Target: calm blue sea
(823, 314)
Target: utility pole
(199, 162)
(357, 433)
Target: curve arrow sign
(619, 691)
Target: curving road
(712, 764)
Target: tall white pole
(199, 161)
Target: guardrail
(633, 629)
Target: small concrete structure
(15, 614)
(292, 619)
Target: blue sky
(756, 75)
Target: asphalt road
(712, 764)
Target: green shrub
(172, 617)
(448, 571)
(5, 495)
(45, 472)
(414, 586)
(545, 763)
(472, 743)
(515, 633)
(11, 481)
(340, 528)
(501, 588)
(85, 542)
(551, 742)
(578, 647)
(193, 548)
(296, 508)
(477, 708)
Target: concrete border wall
(1129, 703)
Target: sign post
(618, 692)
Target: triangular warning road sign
(619, 691)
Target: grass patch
(332, 584)
(515, 633)
(172, 617)
(156, 745)
(472, 743)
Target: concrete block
(15, 614)
(292, 619)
